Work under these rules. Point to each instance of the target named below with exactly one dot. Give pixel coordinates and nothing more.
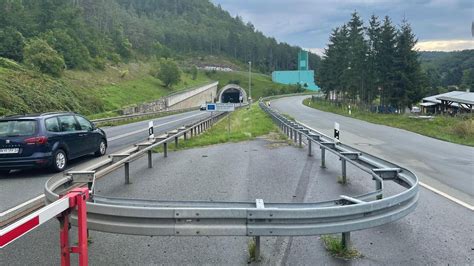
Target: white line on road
(441, 193)
(146, 129)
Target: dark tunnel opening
(231, 96)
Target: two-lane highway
(20, 186)
(445, 166)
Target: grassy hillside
(100, 93)
(91, 93)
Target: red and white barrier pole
(75, 199)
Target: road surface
(445, 166)
(438, 232)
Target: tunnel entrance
(232, 93)
(231, 96)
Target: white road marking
(441, 193)
(146, 129)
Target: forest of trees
(379, 61)
(447, 70)
(363, 64)
(88, 33)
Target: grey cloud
(307, 23)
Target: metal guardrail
(259, 218)
(116, 161)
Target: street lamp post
(250, 82)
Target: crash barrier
(74, 200)
(205, 218)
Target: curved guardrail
(178, 218)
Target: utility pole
(250, 82)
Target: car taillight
(36, 140)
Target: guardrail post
(300, 139)
(378, 186)
(295, 136)
(150, 159)
(291, 132)
(346, 240)
(185, 135)
(323, 157)
(257, 248)
(310, 150)
(176, 142)
(343, 170)
(127, 172)
(165, 149)
(260, 205)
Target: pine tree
(374, 33)
(385, 60)
(358, 49)
(408, 75)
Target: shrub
(98, 63)
(39, 55)
(169, 72)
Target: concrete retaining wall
(186, 99)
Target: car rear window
(17, 128)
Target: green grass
(144, 89)
(252, 248)
(453, 129)
(334, 245)
(245, 124)
(96, 94)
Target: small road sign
(220, 107)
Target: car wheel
(102, 149)
(59, 161)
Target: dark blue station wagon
(47, 140)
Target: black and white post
(151, 135)
(336, 130)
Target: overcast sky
(442, 25)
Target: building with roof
(450, 102)
(303, 76)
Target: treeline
(86, 34)
(448, 70)
(363, 64)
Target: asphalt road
(20, 186)
(445, 166)
(438, 232)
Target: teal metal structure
(303, 75)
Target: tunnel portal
(232, 93)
